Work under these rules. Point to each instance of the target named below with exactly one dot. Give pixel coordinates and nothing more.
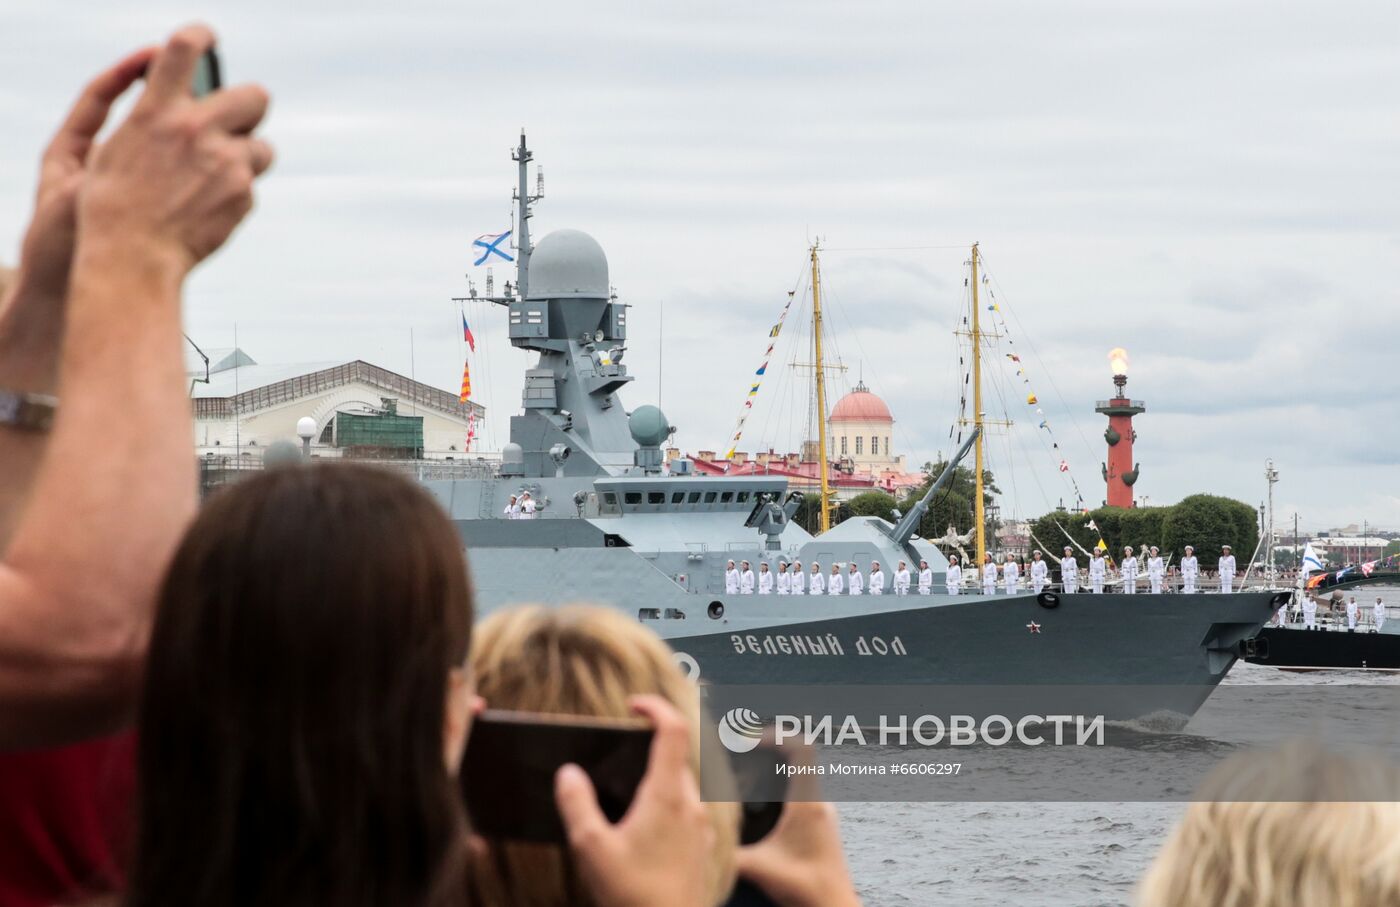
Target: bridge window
(726, 497)
(743, 496)
(656, 497)
(632, 497)
(678, 497)
(709, 497)
(610, 498)
(694, 498)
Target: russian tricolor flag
(467, 334)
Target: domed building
(858, 431)
(861, 455)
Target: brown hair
(577, 660)
(291, 730)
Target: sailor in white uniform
(1156, 570)
(1011, 576)
(1353, 613)
(877, 579)
(855, 580)
(901, 579)
(1039, 572)
(784, 581)
(989, 576)
(1069, 571)
(1378, 614)
(835, 585)
(765, 579)
(1098, 572)
(1227, 569)
(746, 580)
(952, 580)
(1309, 613)
(798, 580)
(1128, 571)
(818, 583)
(731, 579)
(926, 576)
(1190, 569)
(512, 510)
(527, 506)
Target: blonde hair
(1286, 827)
(577, 660)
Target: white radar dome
(568, 264)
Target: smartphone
(207, 78)
(762, 789)
(508, 771)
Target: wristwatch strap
(32, 412)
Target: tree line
(1205, 521)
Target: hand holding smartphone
(512, 757)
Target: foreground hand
(177, 176)
(661, 851)
(47, 254)
(800, 863)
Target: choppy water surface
(1031, 853)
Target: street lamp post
(306, 430)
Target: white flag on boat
(1311, 562)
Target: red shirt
(65, 820)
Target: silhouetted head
(306, 699)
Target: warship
(616, 525)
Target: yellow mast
(822, 456)
(979, 507)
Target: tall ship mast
(615, 524)
(824, 459)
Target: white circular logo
(740, 730)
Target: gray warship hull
(1181, 645)
(613, 523)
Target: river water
(1055, 853)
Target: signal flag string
(1032, 399)
(747, 408)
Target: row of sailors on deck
(520, 507)
(739, 579)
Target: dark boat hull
(1293, 649)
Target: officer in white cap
(746, 580)
(901, 579)
(877, 579)
(1227, 569)
(765, 579)
(1156, 571)
(1069, 571)
(1190, 570)
(926, 575)
(1128, 570)
(1040, 571)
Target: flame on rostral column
(1118, 360)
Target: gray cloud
(1213, 186)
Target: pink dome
(860, 405)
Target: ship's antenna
(524, 202)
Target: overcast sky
(1214, 186)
